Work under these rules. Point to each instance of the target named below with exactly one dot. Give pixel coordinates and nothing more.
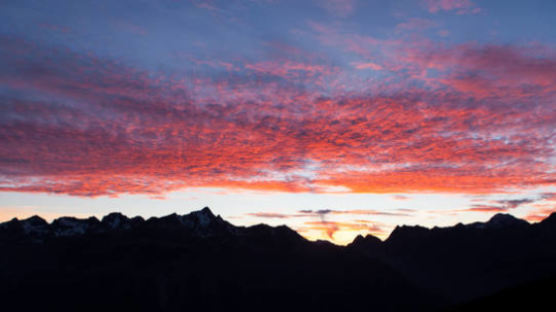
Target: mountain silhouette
(465, 262)
(199, 261)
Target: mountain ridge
(201, 261)
(67, 226)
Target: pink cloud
(103, 128)
(205, 4)
(460, 6)
(367, 65)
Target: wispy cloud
(341, 8)
(330, 228)
(459, 6)
(503, 205)
(360, 212)
(542, 209)
(269, 215)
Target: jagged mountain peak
(115, 215)
(201, 222)
(404, 232)
(281, 235)
(206, 211)
(365, 240)
(191, 247)
(551, 219)
(498, 221)
(115, 219)
(34, 225)
(71, 226)
(35, 220)
(204, 217)
(504, 220)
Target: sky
(334, 117)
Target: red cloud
(89, 126)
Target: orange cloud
(540, 214)
(330, 228)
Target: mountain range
(199, 261)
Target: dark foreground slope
(201, 262)
(532, 296)
(196, 262)
(466, 262)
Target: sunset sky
(335, 117)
